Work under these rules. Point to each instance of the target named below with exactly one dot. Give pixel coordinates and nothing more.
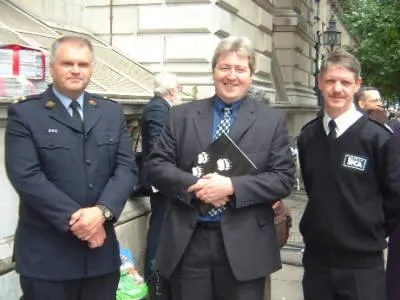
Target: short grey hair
(342, 58)
(239, 44)
(70, 39)
(164, 82)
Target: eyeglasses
(374, 100)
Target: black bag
(159, 288)
(143, 188)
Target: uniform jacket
(353, 193)
(56, 168)
(247, 225)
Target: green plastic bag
(131, 285)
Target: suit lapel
(245, 118)
(91, 112)
(57, 111)
(203, 122)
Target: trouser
(204, 272)
(158, 207)
(344, 284)
(393, 266)
(94, 288)
(158, 287)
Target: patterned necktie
(225, 123)
(76, 116)
(223, 126)
(332, 130)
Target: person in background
(379, 116)
(351, 172)
(228, 251)
(369, 101)
(368, 98)
(69, 157)
(154, 116)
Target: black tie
(332, 130)
(76, 116)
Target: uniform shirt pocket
(49, 142)
(53, 152)
(107, 145)
(107, 138)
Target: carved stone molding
(289, 20)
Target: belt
(209, 225)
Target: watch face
(107, 213)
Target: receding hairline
(360, 94)
(77, 41)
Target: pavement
(286, 283)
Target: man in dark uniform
(69, 157)
(351, 173)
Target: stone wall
(180, 36)
(58, 11)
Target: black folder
(222, 156)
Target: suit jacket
(247, 224)
(58, 168)
(154, 117)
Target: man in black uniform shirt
(351, 172)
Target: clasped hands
(87, 225)
(213, 188)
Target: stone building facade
(180, 35)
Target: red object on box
(2, 88)
(16, 60)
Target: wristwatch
(107, 214)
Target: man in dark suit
(154, 117)
(225, 254)
(69, 157)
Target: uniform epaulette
(29, 97)
(384, 126)
(97, 96)
(310, 122)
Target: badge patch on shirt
(355, 162)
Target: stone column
(294, 39)
(9, 198)
(8, 218)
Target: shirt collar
(67, 101)
(168, 102)
(219, 104)
(343, 122)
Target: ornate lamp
(332, 37)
